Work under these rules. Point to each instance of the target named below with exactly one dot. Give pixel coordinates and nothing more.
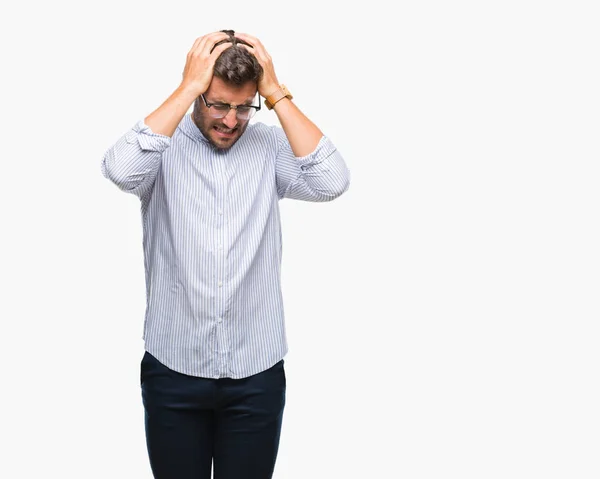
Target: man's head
(235, 82)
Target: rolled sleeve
(321, 175)
(147, 139)
(132, 163)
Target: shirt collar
(190, 129)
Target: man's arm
(132, 163)
(303, 134)
(197, 75)
(308, 166)
(320, 176)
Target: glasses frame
(234, 107)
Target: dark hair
(236, 64)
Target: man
(212, 377)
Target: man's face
(223, 132)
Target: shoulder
(267, 135)
(263, 130)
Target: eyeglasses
(221, 110)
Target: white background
(442, 315)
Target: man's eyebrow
(248, 101)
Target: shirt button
(220, 320)
(220, 211)
(220, 283)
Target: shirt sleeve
(132, 163)
(319, 176)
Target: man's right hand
(198, 71)
(197, 75)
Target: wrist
(189, 90)
(272, 89)
(279, 94)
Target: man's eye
(244, 109)
(221, 107)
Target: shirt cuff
(147, 139)
(324, 149)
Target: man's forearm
(303, 134)
(165, 118)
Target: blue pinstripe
(212, 240)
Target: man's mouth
(224, 131)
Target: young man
(212, 377)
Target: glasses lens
(245, 112)
(221, 111)
(218, 111)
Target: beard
(219, 135)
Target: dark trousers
(194, 422)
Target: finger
(227, 39)
(259, 48)
(249, 38)
(250, 49)
(255, 42)
(196, 43)
(199, 40)
(216, 36)
(256, 50)
(220, 49)
(261, 58)
(243, 41)
(210, 40)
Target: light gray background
(442, 315)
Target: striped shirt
(212, 239)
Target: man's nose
(231, 119)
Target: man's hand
(268, 83)
(198, 71)
(197, 75)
